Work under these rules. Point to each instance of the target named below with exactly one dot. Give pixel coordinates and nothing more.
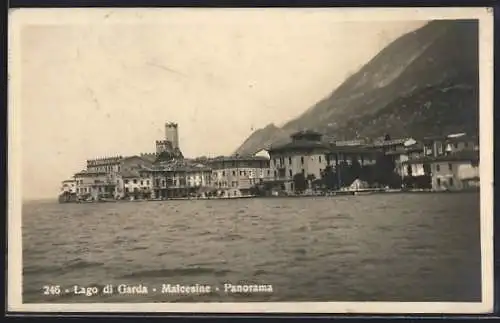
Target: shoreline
(327, 195)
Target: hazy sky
(103, 89)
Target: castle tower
(163, 146)
(171, 134)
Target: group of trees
(382, 173)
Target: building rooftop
(237, 158)
(390, 142)
(90, 173)
(403, 150)
(464, 155)
(354, 149)
(301, 145)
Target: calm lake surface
(386, 247)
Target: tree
(355, 169)
(344, 174)
(299, 182)
(329, 178)
(384, 171)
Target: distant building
(68, 186)
(131, 180)
(305, 154)
(104, 164)
(235, 176)
(443, 145)
(94, 185)
(178, 179)
(411, 149)
(452, 162)
(310, 155)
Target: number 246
(52, 290)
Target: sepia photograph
(326, 160)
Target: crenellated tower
(172, 134)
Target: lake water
(386, 247)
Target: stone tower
(172, 134)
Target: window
(223, 173)
(451, 181)
(450, 166)
(302, 160)
(320, 159)
(438, 182)
(289, 160)
(437, 168)
(455, 145)
(303, 171)
(147, 182)
(142, 182)
(268, 172)
(126, 189)
(126, 181)
(290, 172)
(234, 173)
(135, 181)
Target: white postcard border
(21, 17)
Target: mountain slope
(425, 82)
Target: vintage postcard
(251, 160)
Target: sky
(105, 89)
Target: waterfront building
(235, 176)
(305, 154)
(131, 180)
(453, 171)
(68, 186)
(364, 155)
(68, 191)
(178, 179)
(443, 145)
(136, 183)
(411, 149)
(451, 162)
(94, 185)
(104, 164)
(309, 154)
